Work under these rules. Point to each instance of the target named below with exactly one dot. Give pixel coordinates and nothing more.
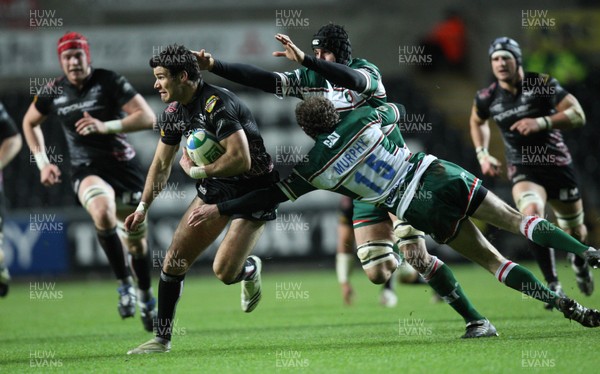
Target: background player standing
(530, 110)
(107, 178)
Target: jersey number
(381, 167)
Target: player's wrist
(41, 160)
(198, 172)
(142, 207)
(482, 154)
(114, 126)
(544, 123)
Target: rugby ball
(203, 147)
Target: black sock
(141, 267)
(389, 284)
(545, 259)
(113, 248)
(170, 288)
(579, 262)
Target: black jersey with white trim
(103, 95)
(537, 96)
(218, 111)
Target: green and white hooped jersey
(303, 83)
(359, 161)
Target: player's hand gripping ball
(203, 147)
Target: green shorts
(367, 214)
(447, 194)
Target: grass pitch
(300, 326)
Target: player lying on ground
(353, 157)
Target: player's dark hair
(316, 115)
(335, 39)
(177, 58)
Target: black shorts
(125, 177)
(560, 182)
(216, 190)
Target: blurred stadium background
(48, 234)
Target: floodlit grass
(300, 326)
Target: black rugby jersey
(7, 125)
(220, 112)
(7, 129)
(537, 96)
(102, 96)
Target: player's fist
(526, 126)
(133, 220)
(50, 175)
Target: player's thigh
(98, 198)
(371, 223)
(239, 241)
(189, 242)
(570, 217)
(497, 212)
(530, 198)
(472, 244)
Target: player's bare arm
(9, 149)
(49, 173)
(569, 116)
(480, 134)
(139, 117)
(157, 177)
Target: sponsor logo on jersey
(210, 103)
(331, 139)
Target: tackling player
(355, 158)
(107, 178)
(350, 83)
(10, 145)
(531, 109)
(244, 167)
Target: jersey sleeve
(390, 113)
(482, 107)
(297, 83)
(7, 125)
(559, 92)
(122, 90)
(170, 127)
(373, 78)
(222, 114)
(295, 185)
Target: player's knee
(573, 224)
(135, 240)
(530, 203)
(379, 255)
(378, 274)
(412, 244)
(225, 273)
(175, 264)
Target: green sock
(519, 278)
(546, 234)
(444, 283)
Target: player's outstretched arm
(263, 199)
(245, 74)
